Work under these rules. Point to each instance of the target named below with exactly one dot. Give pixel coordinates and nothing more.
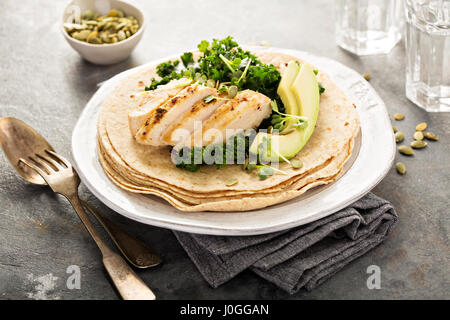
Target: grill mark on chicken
(198, 112)
(166, 115)
(240, 113)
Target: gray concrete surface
(45, 83)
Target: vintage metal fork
(62, 178)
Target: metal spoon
(19, 140)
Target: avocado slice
(286, 145)
(307, 97)
(284, 88)
(305, 89)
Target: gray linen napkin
(301, 257)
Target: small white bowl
(104, 53)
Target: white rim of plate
(371, 111)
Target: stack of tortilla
(150, 170)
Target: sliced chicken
(162, 117)
(244, 111)
(182, 128)
(147, 101)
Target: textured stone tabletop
(46, 84)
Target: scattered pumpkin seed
(366, 76)
(399, 136)
(430, 136)
(394, 128)
(421, 126)
(265, 43)
(232, 91)
(296, 164)
(211, 83)
(401, 168)
(407, 151)
(231, 182)
(418, 135)
(97, 29)
(418, 144)
(399, 116)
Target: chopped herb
(166, 68)
(223, 61)
(187, 58)
(233, 151)
(321, 88)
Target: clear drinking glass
(428, 53)
(368, 26)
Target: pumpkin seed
(418, 144)
(231, 182)
(96, 40)
(399, 136)
(92, 26)
(418, 136)
(401, 168)
(91, 36)
(421, 126)
(120, 26)
(366, 76)
(232, 92)
(431, 136)
(211, 83)
(399, 116)
(113, 13)
(121, 35)
(87, 15)
(407, 151)
(394, 128)
(82, 35)
(296, 164)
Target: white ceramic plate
(371, 159)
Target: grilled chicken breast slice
(162, 117)
(147, 101)
(181, 129)
(244, 111)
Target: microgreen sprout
(280, 119)
(210, 98)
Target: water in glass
(428, 54)
(368, 26)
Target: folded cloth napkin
(302, 257)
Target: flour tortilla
(149, 170)
(143, 182)
(244, 203)
(329, 171)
